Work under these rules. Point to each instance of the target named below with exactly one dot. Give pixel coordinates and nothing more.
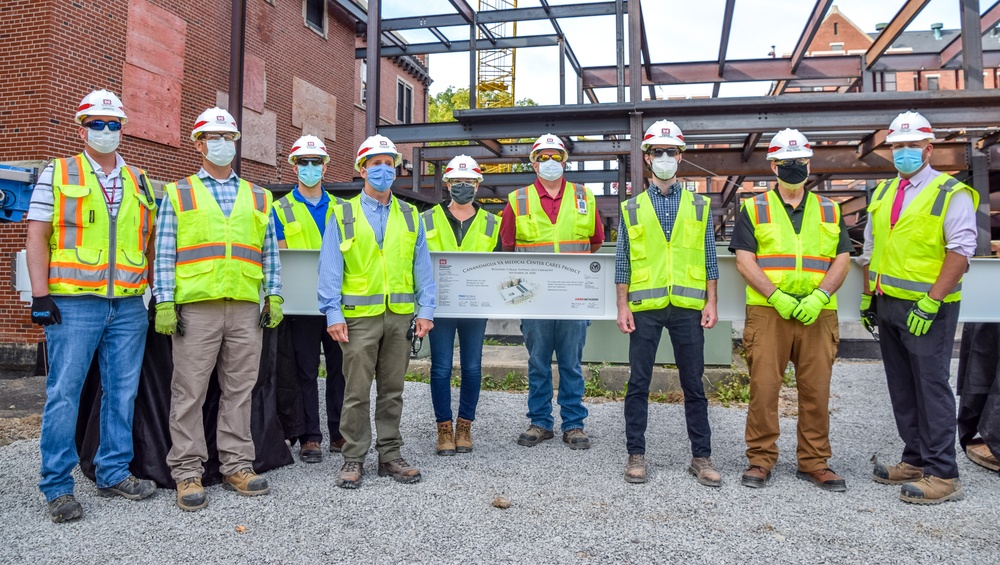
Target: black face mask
(463, 192)
(793, 174)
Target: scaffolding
(496, 66)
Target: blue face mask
(380, 177)
(310, 175)
(908, 160)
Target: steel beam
(373, 59)
(727, 24)
(465, 10)
(893, 30)
(987, 21)
(441, 37)
(972, 45)
(564, 11)
(646, 59)
(809, 32)
(871, 142)
(980, 182)
(463, 46)
(421, 22)
(237, 49)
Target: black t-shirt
(745, 240)
(460, 228)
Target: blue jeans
(470, 342)
(116, 330)
(565, 338)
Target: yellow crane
(495, 68)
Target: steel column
(374, 59)
(237, 48)
(473, 71)
(980, 181)
(972, 45)
(620, 49)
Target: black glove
(44, 311)
(869, 314)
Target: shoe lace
(191, 482)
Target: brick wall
(53, 53)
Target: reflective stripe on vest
(570, 233)
(201, 253)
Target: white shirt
(40, 208)
(960, 230)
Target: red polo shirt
(508, 230)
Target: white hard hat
(548, 141)
(663, 132)
(462, 167)
(788, 144)
(377, 145)
(308, 145)
(909, 126)
(100, 103)
(215, 120)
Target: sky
(677, 30)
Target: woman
(460, 226)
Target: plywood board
(152, 103)
(155, 40)
(314, 110)
(254, 83)
(258, 134)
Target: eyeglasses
(669, 151)
(214, 136)
(558, 158)
(789, 162)
(99, 125)
(308, 160)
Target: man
(374, 275)
(216, 249)
(792, 248)
(979, 387)
(300, 218)
(919, 237)
(538, 218)
(88, 268)
(674, 288)
(460, 226)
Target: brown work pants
(771, 342)
(221, 334)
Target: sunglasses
(309, 161)
(228, 136)
(789, 162)
(659, 152)
(558, 158)
(99, 125)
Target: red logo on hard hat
(107, 102)
(665, 131)
(383, 144)
(461, 165)
(311, 144)
(792, 143)
(549, 140)
(220, 119)
(905, 127)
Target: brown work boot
(931, 490)
(191, 495)
(246, 482)
(980, 454)
(351, 474)
(756, 477)
(310, 452)
(446, 439)
(576, 439)
(635, 468)
(895, 474)
(534, 435)
(463, 435)
(336, 445)
(400, 471)
(705, 472)
(825, 479)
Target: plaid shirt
(164, 267)
(666, 211)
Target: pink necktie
(897, 203)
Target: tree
(442, 105)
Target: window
(691, 185)
(839, 46)
(835, 30)
(364, 82)
(314, 12)
(889, 81)
(404, 103)
(762, 184)
(932, 83)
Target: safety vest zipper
(113, 248)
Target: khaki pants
(377, 348)
(771, 342)
(220, 334)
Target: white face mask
(220, 151)
(550, 170)
(104, 141)
(664, 167)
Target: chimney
(937, 30)
(879, 27)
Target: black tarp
(288, 391)
(979, 385)
(150, 431)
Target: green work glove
(869, 314)
(866, 304)
(921, 315)
(166, 322)
(809, 307)
(783, 303)
(271, 316)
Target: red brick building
(169, 60)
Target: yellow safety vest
(218, 257)
(301, 231)
(374, 277)
(84, 233)
(482, 235)
(795, 262)
(667, 272)
(574, 224)
(907, 259)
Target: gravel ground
(567, 506)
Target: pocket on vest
(194, 269)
